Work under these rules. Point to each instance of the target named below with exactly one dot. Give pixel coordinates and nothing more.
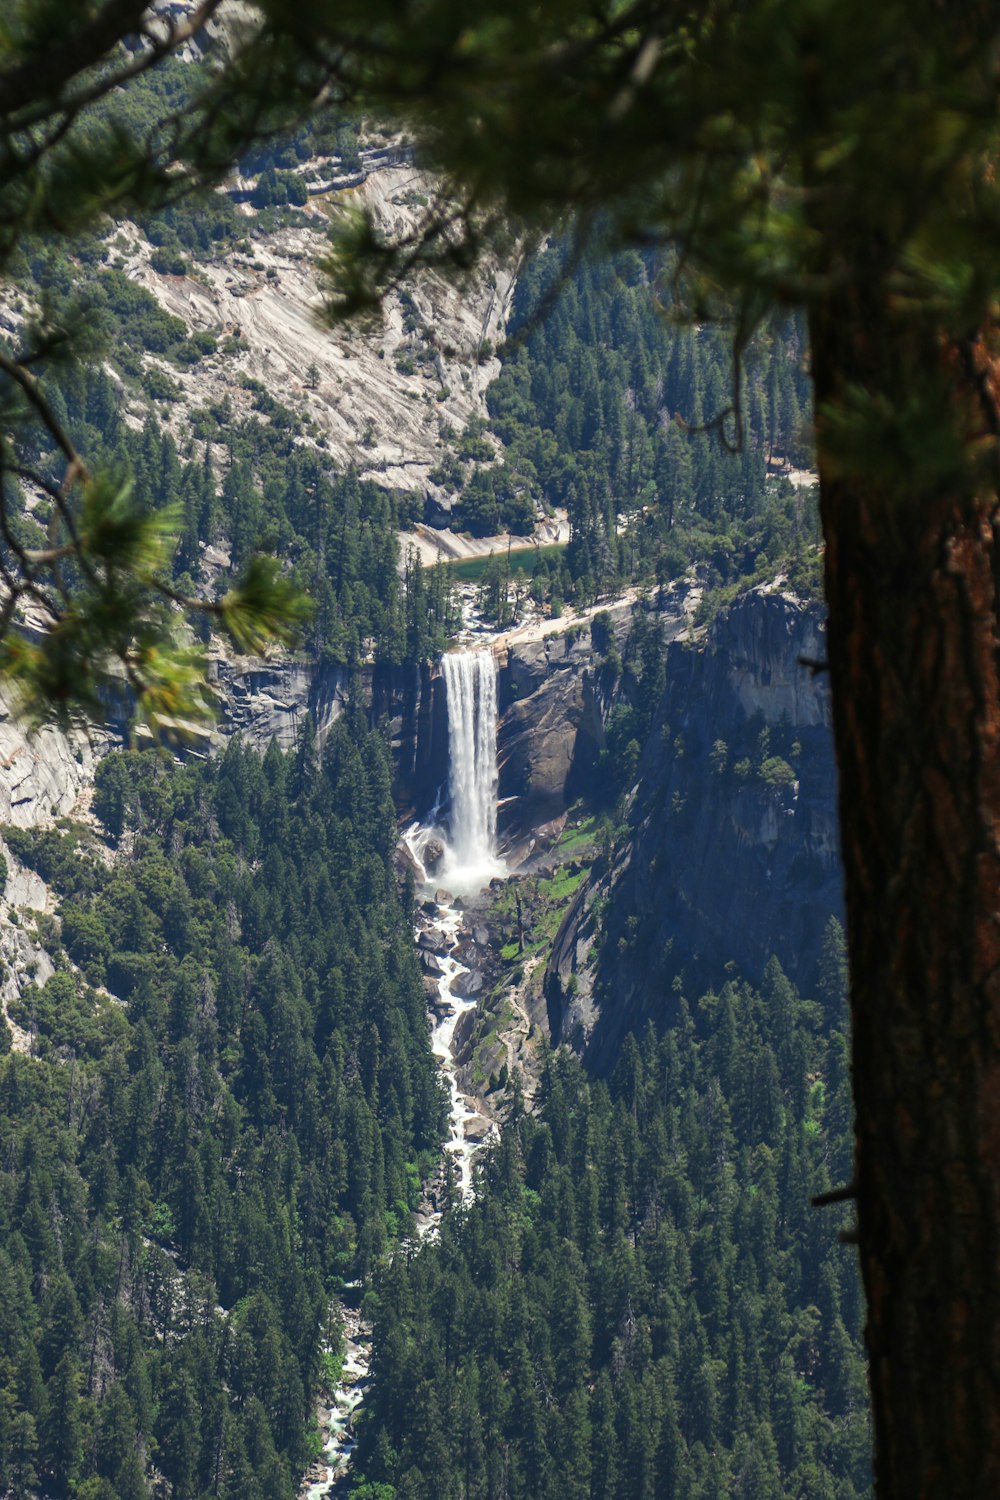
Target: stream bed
(466, 862)
(439, 928)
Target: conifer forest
(497, 578)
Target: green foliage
(134, 315)
(64, 857)
(602, 409)
(145, 532)
(85, 125)
(116, 626)
(640, 1283)
(194, 1165)
(263, 606)
(777, 772)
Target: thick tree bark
(912, 578)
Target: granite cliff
(730, 851)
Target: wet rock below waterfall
(466, 951)
(465, 1029)
(467, 986)
(433, 942)
(433, 854)
(406, 865)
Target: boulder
(438, 1006)
(466, 952)
(433, 854)
(432, 942)
(468, 985)
(406, 864)
(465, 1030)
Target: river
(465, 860)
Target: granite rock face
(47, 774)
(749, 856)
(44, 775)
(765, 641)
(550, 730)
(554, 702)
(370, 403)
(24, 962)
(264, 701)
(733, 849)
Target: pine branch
(842, 1194)
(158, 45)
(46, 73)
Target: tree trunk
(912, 581)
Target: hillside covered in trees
(604, 407)
(192, 1168)
(628, 418)
(221, 1105)
(640, 1302)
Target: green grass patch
(579, 835)
(563, 885)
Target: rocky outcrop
(554, 703)
(732, 852)
(264, 701)
(45, 774)
(410, 701)
(24, 961)
(550, 730)
(371, 401)
(765, 642)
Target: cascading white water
(470, 679)
(470, 861)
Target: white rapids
(345, 1400)
(465, 1124)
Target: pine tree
(61, 1433)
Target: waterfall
(470, 680)
(468, 863)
